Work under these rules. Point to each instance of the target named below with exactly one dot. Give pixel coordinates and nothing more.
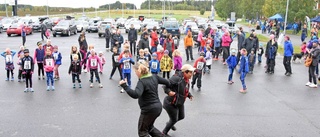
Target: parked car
(64, 27)
(232, 27)
(16, 28)
(172, 27)
(218, 23)
(82, 25)
(136, 24)
(93, 25)
(1, 27)
(36, 26)
(7, 23)
(120, 22)
(102, 27)
(56, 20)
(201, 23)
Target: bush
(202, 12)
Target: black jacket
(241, 39)
(115, 61)
(43, 27)
(315, 56)
(107, 34)
(269, 44)
(75, 67)
(147, 92)
(256, 44)
(83, 44)
(132, 34)
(248, 44)
(27, 67)
(117, 38)
(178, 85)
(143, 43)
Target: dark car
(36, 26)
(172, 27)
(64, 27)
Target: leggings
(40, 69)
(114, 70)
(312, 75)
(56, 71)
(8, 73)
(216, 52)
(175, 114)
(50, 78)
(74, 77)
(20, 75)
(107, 43)
(226, 53)
(164, 74)
(28, 79)
(94, 72)
(23, 40)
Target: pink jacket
(200, 35)
(103, 60)
(48, 64)
(226, 41)
(94, 62)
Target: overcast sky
(73, 3)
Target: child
(93, 63)
(252, 61)
(176, 42)
(232, 63)
(217, 45)
(177, 61)
(154, 64)
(75, 70)
(203, 45)
(166, 64)
(208, 59)
(8, 56)
(27, 69)
(199, 64)
(57, 60)
(126, 61)
(115, 62)
(20, 56)
(244, 69)
(260, 53)
(160, 53)
(141, 58)
(85, 58)
(38, 58)
(102, 59)
(74, 51)
(272, 52)
(302, 52)
(49, 66)
(147, 54)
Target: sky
(73, 3)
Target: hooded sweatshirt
(93, 63)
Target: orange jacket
(188, 41)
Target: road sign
(11, 2)
(233, 16)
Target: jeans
(107, 43)
(94, 72)
(146, 127)
(50, 78)
(260, 58)
(28, 79)
(231, 70)
(133, 47)
(74, 77)
(114, 70)
(251, 66)
(24, 40)
(189, 52)
(312, 75)
(175, 114)
(242, 78)
(40, 69)
(128, 77)
(226, 53)
(287, 64)
(153, 49)
(197, 78)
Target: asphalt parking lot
(275, 105)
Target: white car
(121, 22)
(217, 23)
(82, 25)
(136, 24)
(7, 23)
(194, 27)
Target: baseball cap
(186, 67)
(202, 54)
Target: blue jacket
(4, 54)
(232, 61)
(126, 68)
(217, 40)
(39, 55)
(154, 66)
(288, 49)
(244, 64)
(57, 58)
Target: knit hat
(166, 52)
(55, 47)
(26, 51)
(202, 54)
(154, 55)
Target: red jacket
(165, 44)
(154, 37)
(160, 55)
(199, 67)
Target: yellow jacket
(166, 63)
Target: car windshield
(170, 25)
(192, 24)
(15, 25)
(152, 24)
(230, 24)
(63, 23)
(78, 22)
(6, 21)
(135, 22)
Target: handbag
(308, 61)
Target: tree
(202, 12)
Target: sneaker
(19, 80)
(12, 78)
(80, 86)
(39, 77)
(7, 79)
(43, 77)
(26, 90)
(100, 86)
(313, 85)
(122, 91)
(224, 63)
(85, 70)
(243, 91)
(91, 85)
(74, 85)
(48, 88)
(308, 83)
(31, 89)
(230, 82)
(52, 88)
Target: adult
(304, 33)
(132, 37)
(256, 42)
(248, 43)
(288, 52)
(144, 42)
(241, 38)
(23, 34)
(277, 31)
(169, 45)
(154, 40)
(163, 36)
(314, 54)
(48, 46)
(225, 43)
(43, 30)
(107, 35)
(112, 41)
(188, 44)
(270, 59)
(177, 94)
(208, 31)
(118, 40)
(146, 92)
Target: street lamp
(47, 8)
(5, 4)
(285, 22)
(149, 8)
(109, 10)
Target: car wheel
(89, 31)
(99, 35)
(54, 35)
(69, 33)
(9, 35)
